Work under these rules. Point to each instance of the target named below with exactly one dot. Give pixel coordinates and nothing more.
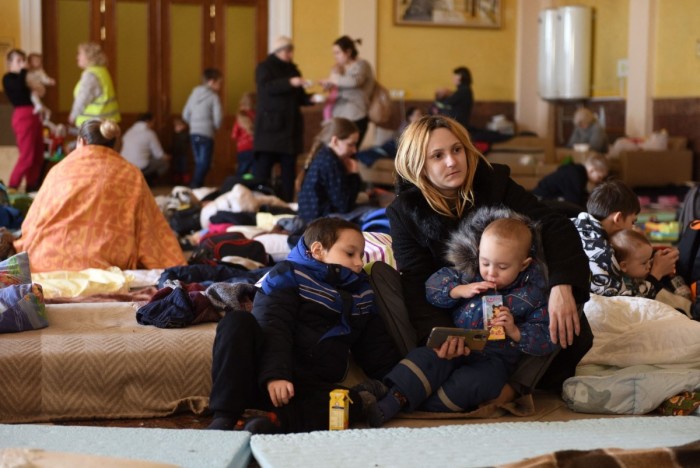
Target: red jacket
(244, 140)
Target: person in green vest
(93, 96)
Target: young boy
(634, 254)
(613, 207)
(202, 113)
(314, 311)
(500, 272)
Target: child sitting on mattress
(612, 207)
(312, 312)
(495, 282)
(634, 254)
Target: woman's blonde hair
(336, 127)
(100, 132)
(413, 153)
(93, 53)
(583, 116)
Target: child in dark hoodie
(313, 312)
(493, 254)
(202, 113)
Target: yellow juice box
(339, 410)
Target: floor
(548, 407)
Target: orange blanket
(95, 210)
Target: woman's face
(16, 63)
(341, 57)
(346, 147)
(446, 162)
(82, 58)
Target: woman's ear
(333, 144)
(317, 251)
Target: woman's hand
(664, 263)
(297, 81)
(281, 391)
(563, 315)
(452, 347)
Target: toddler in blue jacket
(496, 283)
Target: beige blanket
(95, 361)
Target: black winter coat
(294, 349)
(568, 182)
(419, 235)
(279, 125)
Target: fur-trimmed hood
(463, 246)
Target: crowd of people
(475, 250)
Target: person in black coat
(279, 126)
(458, 104)
(569, 184)
(312, 313)
(442, 178)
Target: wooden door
(157, 51)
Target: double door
(156, 53)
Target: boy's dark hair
(211, 74)
(326, 231)
(145, 117)
(612, 196)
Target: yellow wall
(9, 27)
(419, 59)
(315, 26)
(677, 63)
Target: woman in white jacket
(354, 80)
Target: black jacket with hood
(420, 235)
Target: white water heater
(565, 35)
(547, 67)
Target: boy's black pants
(237, 349)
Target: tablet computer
(474, 339)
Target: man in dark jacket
(279, 125)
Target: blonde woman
(94, 96)
(587, 130)
(442, 179)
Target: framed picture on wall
(452, 13)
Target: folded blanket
(682, 456)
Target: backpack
(213, 248)
(185, 221)
(381, 109)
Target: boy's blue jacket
(313, 315)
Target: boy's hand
(505, 319)
(281, 391)
(465, 291)
(452, 347)
(664, 263)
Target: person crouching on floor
(312, 313)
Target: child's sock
(386, 408)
